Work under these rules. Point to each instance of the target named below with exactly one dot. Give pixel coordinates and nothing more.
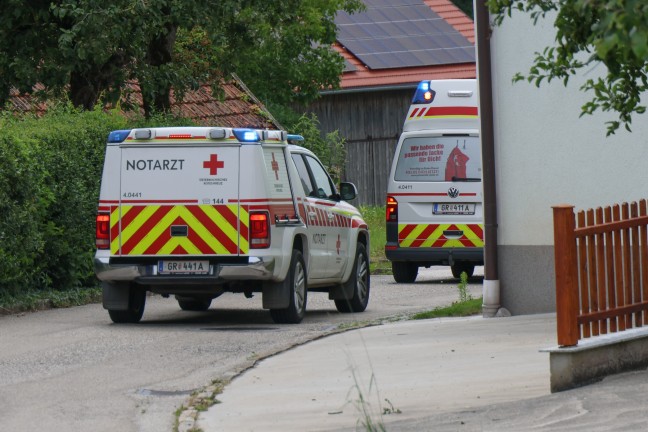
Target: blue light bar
(246, 135)
(118, 136)
(295, 139)
(424, 94)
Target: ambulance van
(194, 212)
(434, 212)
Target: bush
(50, 172)
(329, 148)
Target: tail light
(391, 213)
(259, 230)
(102, 238)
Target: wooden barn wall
(371, 123)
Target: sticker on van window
(436, 159)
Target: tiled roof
(238, 107)
(362, 76)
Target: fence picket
(582, 275)
(591, 271)
(635, 270)
(618, 265)
(600, 271)
(609, 268)
(643, 235)
(627, 271)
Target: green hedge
(50, 172)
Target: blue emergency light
(295, 139)
(118, 136)
(424, 94)
(246, 135)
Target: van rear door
(179, 197)
(437, 183)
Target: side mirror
(348, 191)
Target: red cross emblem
(338, 243)
(213, 164)
(275, 166)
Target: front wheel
(359, 280)
(297, 288)
(136, 303)
(404, 272)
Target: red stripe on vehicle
(451, 111)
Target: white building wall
(546, 155)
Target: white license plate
(454, 208)
(183, 267)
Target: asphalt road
(72, 369)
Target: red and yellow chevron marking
(431, 235)
(146, 230)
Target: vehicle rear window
(439, 158)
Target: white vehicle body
(434, 194)
(198, 211)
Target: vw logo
(453, 192)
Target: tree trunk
(156, 95)
(83, 92)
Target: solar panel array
(402, 33)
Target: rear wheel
(359, 280)
(460, 267)
(404, 272)
(194, 304)
(297, 288)
(136, 303)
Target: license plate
(183, 267)
(454, 208)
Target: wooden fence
(601, 263)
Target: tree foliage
(611, 32)
(88, 49)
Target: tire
(296, 281)
(404, 272)
(460, 267)
(136, 303)
(194, 304)
(360, 281)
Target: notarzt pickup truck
(198, 211)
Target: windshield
(439, 158)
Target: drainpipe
(491, 288)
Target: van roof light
(246, 135)
(294, 138)
(118, 136)
(143, 134)
(423, 94)
(219, 133)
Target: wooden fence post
(566, 275)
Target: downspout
(491, 287)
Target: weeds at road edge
(464, 295)
(199, 401)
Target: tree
(466, 6)
(88, 49)
(612, 32)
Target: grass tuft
(456, 309)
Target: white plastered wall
(547, 155)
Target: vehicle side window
(302, 170)
(323, 183)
